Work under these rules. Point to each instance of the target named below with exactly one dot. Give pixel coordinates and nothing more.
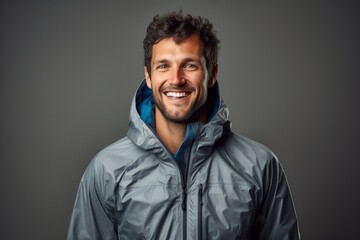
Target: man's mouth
(176, 94)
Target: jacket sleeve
(277, 218)
(91, 217)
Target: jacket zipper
(183, 195)
(183, 206)
(184, 189)
(200, 203)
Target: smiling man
(179, 82)
(181, 173)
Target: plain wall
(288, 71)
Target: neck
(171, 134)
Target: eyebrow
(161, 61)
(182, 60)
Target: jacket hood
(140, 122)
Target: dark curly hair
(180, 27)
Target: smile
(176, 94)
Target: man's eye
(190, 66)
(162, 67)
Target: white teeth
(176, 94)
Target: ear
(147, 77)
(213, 75)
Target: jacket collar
(205, 135)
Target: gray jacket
(234, 188)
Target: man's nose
(177, 77)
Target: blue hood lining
(144, 105)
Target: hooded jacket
(231, 188)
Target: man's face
(179, 79)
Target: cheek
(157, 79)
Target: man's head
(180, 66)
(179, 27)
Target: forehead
(168, 48)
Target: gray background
(289, 72)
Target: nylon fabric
(133, 189)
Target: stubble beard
(191, 115)
(169, 117)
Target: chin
(175, 119)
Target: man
(180, 173)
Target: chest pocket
(227, 211)
(145, 211)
